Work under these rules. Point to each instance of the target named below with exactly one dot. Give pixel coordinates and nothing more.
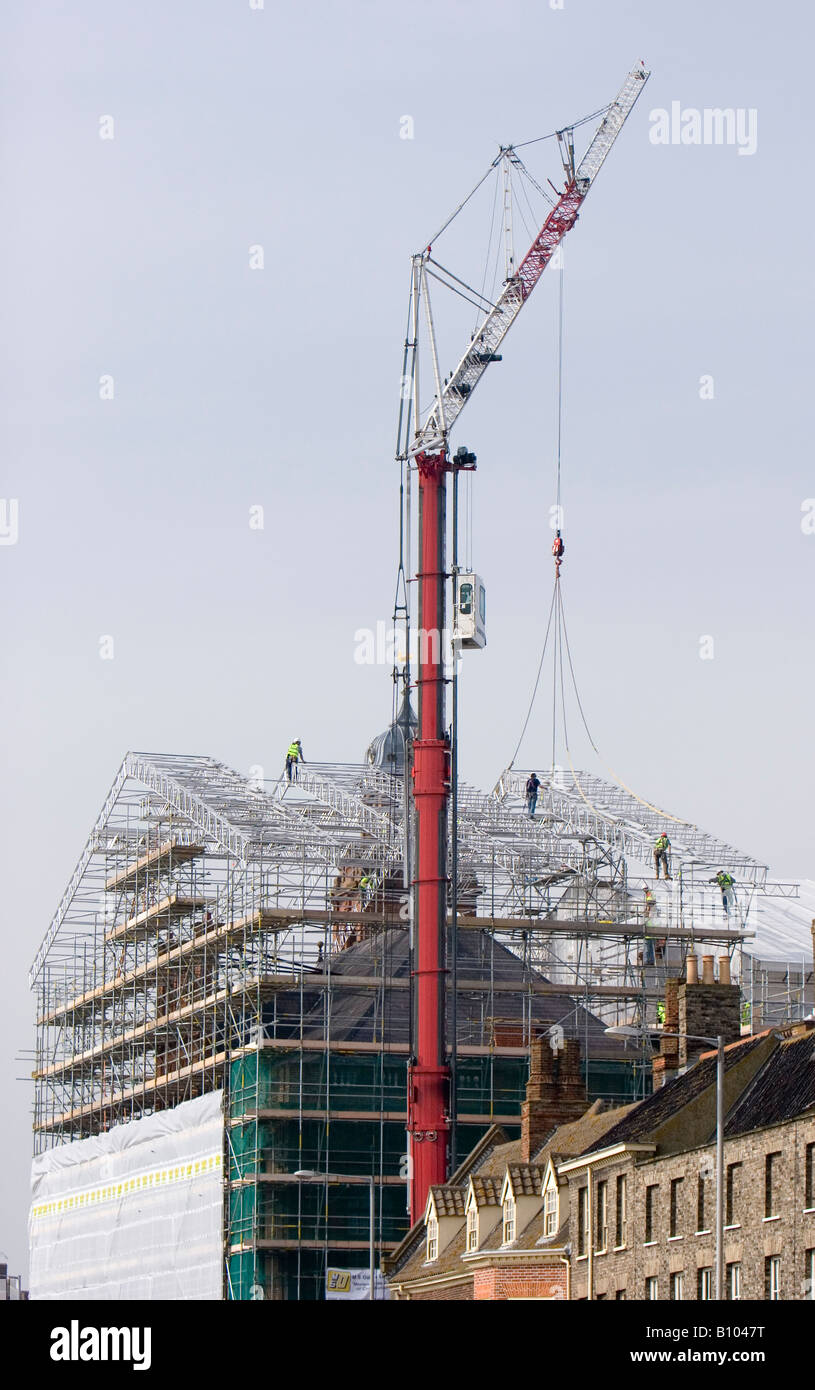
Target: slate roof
(480, 957)
(449, 1200)
(783, 1089)
(642, 1120)
(526, 1179)
(487, 1191)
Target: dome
(387, 750)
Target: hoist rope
(561, 635)
(535, 689)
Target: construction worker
(661, 847)
(558, 549)
(661, 1014)
(532, 787)
(650, 903)
(293, 757)
(725, 882)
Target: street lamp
(309, 1175)
(627, 1030)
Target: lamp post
(625, 1030)
(310, 1175)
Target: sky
(159, 385)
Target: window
(809, 1275)
(509, 1219)
(733, 1282)
(704, 1283)
(678, 1286)
(772, 1163)
(732, 1190)
(620, 1212)
(582, 1215)
(602, 1216)
(676, 1206)
(620, 1294)
(432, 1238)
(650, 1211)
(472, 1228)
(550, 1212)
(701, 1202)
(652, 1287)
(809, 1176)
(772, 1277)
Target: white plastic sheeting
(133, 1214)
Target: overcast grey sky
(129, 257)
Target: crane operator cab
(471, 611)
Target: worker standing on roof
(558, 549)
(293, 757)
(532, 787)
(661, 848)
(725, 882)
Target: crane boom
(485, 343)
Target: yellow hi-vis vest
(294, 751)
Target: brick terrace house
(619, 1204)
(496, 1230)
(641, 1199)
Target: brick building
(620, 1204)
(494, 1231)
(641, 1200)
(11, 1285)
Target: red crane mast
(429, 1099)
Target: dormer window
(432, 1238)
(550, 1211)
(509, 1219)
(472, 1228)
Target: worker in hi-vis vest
(661, 847)
(293, 757)
(725, 882)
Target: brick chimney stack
(666, 1061)
(555, 1093)
(707, 1008)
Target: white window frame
(601, 1220)
(472, 1227)
(551, 1206)
(678, 1286)
(652, 1288)
(432, 1249)
(706, 1283)
(734, 1281)
(775, 1278)
(809, 1290)
(509, 1216)
(621, 1212)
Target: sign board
(353, 1284)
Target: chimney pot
(693, 969)
(708, 978)
(724, 970)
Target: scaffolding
(223, 934)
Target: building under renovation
(224, 1005)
